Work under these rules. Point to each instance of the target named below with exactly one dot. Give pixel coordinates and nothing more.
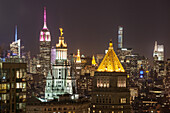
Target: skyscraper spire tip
(45, 24)
(16, 33)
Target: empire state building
(45, 48)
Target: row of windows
(108, 112)
(55, 109)
(18, 85)
(109, 100)
(106, 84)
(102, 82)
(21, 85)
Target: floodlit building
(110, 93)
(45, 48)
(13, 87)
(158, 52)
(59, 81)
(15, 47)
(120, 37)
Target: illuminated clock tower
(45, 48)
(110, 93)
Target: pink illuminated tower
(45, 48)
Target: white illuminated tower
(158, 52)
(62, 82)
(120, 37)
(15, 46)
(45, 48)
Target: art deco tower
(45, 48)
(110, 93)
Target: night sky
(88, 24)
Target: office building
(110, 93)
(45, 48)
(13, 87)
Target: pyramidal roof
(110, 62)
(93, 61)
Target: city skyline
(88, 30)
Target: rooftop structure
(110, 62)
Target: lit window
(3, 96)
(104, 84)
(123, 100)
(17, 85)
(121, 82)
(17, 74)
(24, 96)
(3, 86)
(23, 85)
(20, 85)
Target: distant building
(110, 92)
(13, 87)
(99, 58)
(35, 85)
(45, 48)
(158, 52)
(120, 37)
(15, 47)
(167, 79)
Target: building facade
(59, 81)
(110, 93)
(13, 87)
(45, 48)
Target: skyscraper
(158, 52)
(15, 47)
(59, 81)
(120, 37)
(45, 48)
(110, 93)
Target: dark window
(54, 109)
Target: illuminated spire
(93, 61)
(61, 43)
(45, 21)
(16, 33)
(110, 62)
(78, 60)
(45, 33)
(156, 46)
